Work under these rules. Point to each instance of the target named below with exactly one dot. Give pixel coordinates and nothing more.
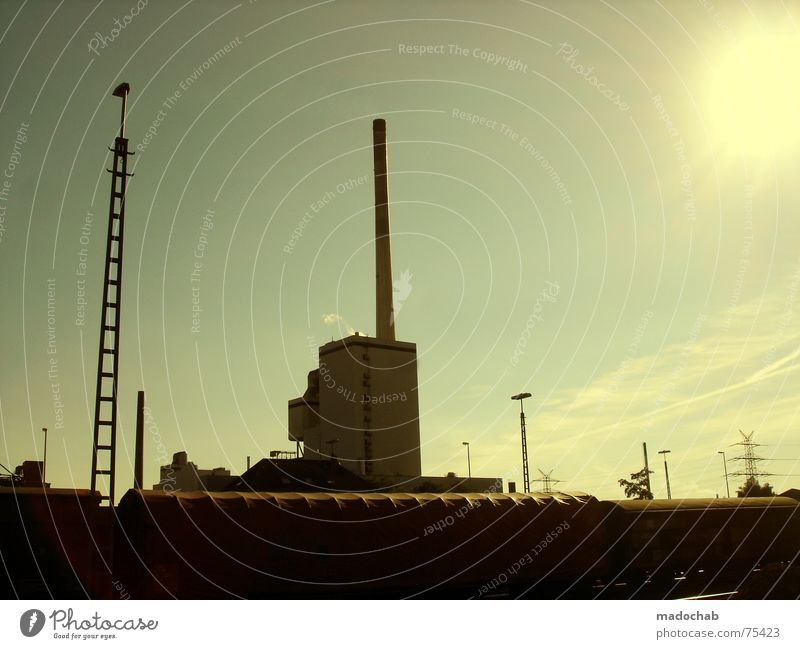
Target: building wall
(366, 400)
(183, 475)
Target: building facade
(361, 407)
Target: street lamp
(44, 464)
(525, 475)
(469, 463)
(725, 466)
(666, 473)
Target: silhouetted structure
(182, 475)
(547, 481)
(384, 307)
(105, 411)
(28, 474)
(749, 458)
(363, 396)
(298, 475)
(235, 544)
(526, 481)
(138, 467)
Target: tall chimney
(384, 309)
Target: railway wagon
(714, 543)
(231, 544)
(52, 543)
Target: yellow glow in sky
(754, 95)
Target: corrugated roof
(685, 504)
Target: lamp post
(725, 466)
(525, 475)
(44, 464)
(469, 463)
(666, 473)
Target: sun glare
(754, 96)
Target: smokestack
(138, 457)
(384, 309)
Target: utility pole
(138, 457)
(525, 474)
(725, 466)
(469, 462)
(44, 464)
(666, 472)
(647, 470)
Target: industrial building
(361, 403)
(182, 475)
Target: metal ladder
(105, 410)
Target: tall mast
(105, 409)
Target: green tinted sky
(595, 203)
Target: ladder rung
(104, 447)
(110, 328)
(104, 422)
(107, 375)
(102, 472)
(114, 237)
(114, 260)
(108, 351)
(104, 498)
(113, 282)
(113, 305)
(106, 398)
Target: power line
(547, 481)
(750, 458)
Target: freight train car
(711, 544)
(53, 544)
(213, 545)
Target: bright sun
(754, 96)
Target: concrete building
(361, 404)
(361, 407)
(183, 475)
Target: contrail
(775, 369)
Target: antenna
(105, 409)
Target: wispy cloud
(730, 369)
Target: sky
(590, 201)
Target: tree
(751, 489)
(636, 487)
